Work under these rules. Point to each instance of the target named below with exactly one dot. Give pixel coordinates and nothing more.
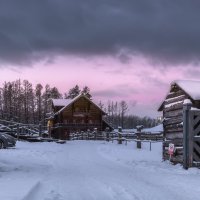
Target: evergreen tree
(73, 92)
(38, 93)
(86, 92)
(55, 94)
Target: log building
(172, 108)
(78, 114)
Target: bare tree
(124, 108)
(38, 94)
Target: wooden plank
(174, 135)
(196, 120)
(196, 139)
(196, 147)
(190, 137)
(178, 142)
(179, 152)
(177, 159)
(196, 157)
(175, 94)
(195, 112)
(175, 120)
(174, 107)
(172, 130)
(171, 126)
(173, 113)
(175, 99)
(196, 131)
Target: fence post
(17, 131)
(40, 130)
(95, 133)
(82, 135)
(88, 134)
(186, 110)
(119, 135)
(107, 134)
(150, 146)
(139, 128)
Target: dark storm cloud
(162, 30)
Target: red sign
(171, 149)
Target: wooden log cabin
(78, 114)
(172, 108)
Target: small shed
(172, 108)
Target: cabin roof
(191, 88)
(67, 102)
(61, 102)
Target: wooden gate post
(186, 128)
(139, 128)
(40, 130)
(95, 133)
(107, 134)
(119, 135)
(17, 131)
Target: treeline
(20, 101)
(118, 116)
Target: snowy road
(89, 170)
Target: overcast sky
(127, 49)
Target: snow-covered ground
(154, 130)
(93, 170)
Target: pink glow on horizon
(107, 78)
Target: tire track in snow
(32, 193)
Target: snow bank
(156, 129)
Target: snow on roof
(192, 88)
(67, 102)
(61, 102)
(156, 129)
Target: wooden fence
(110, 136)
(31, 132)
(21, 130)
(191, 137)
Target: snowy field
(93, 170)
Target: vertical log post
(40, 130)
(95, 133)
(82, 135)
(17, 131)
(119, 135)
(186, 127)
(150, 145)
(107, 135)
(88, 132)
(138, 134)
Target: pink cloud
(107, 78)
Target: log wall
(173, 123)
(80, 115)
